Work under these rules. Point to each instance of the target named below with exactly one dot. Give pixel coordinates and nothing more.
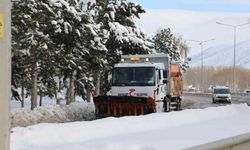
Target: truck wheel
(214, 101)
(178, 107)
(166, 105)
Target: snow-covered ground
(50, 112)
(158, 131)
(77, 111)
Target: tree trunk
(58, 99)
(106, 85)
(22, 95)
(97, 85)
(71, 91)
(41, 100)
(34, 87)
(88, 94)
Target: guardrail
(246, 95)
(198, 94)
(240, 142)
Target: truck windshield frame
(133, 76)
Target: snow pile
(174, 130)
(77, 111)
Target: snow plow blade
(123, 106)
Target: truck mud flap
(123, 105)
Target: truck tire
(214, 101)
(178, 107)
(167, 104)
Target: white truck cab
(221, 93)
(140, 79)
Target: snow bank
(77, 111)
(158, 131)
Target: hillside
(222, 55)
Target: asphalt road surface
(199, 102)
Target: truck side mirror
(165, 81)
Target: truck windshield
(221, 91)
(134, 76)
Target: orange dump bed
(175, 70)
(176, 79)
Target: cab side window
(165, 74)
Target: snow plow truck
(142, 84)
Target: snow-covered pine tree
(19, 76)
(118, 18)
(97, 48)
(163, 41)
(81, 43)
(181, 45)
(31, 43)
(183, 49)
(60, 40)
(68, 24)
(175, 46)
(20, 73)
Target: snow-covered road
(158, 131)
(192, 101)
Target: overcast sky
(196, 20)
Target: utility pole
(5, 73)
(202, 64)
(234, 65)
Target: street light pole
(5, 73)
(234, 74)
(202, 64)
(234, 65)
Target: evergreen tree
(166, 42)
(68, 43)
(81, 43)
(117, 17)
(181, 45)
(163, 41)
(31, 44)
(183, 49)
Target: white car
(247, 91)
(221, 93)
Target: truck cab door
(161, 90)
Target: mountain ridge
(223, 55)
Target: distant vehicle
(221, 93)
(246, 91)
